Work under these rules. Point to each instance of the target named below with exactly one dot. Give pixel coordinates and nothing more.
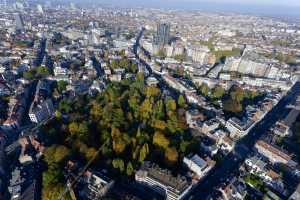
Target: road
(229, 167)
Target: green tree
(78, 129)
(65, 106)
(143, 152)
(179, 57)
(29, 75)
(218, 92)
(170, 105)
(118, 164)
(204, 89)
(114, 64)
(54, 191)
(162, 54)
(129, 169)
(42, 71)
(62, 85)
(181, 102)
(236, 93)
(55, 155)
(146, 109)
(232, 106)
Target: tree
(162, 54)
(96, 111)
(152, 91)
(179, 57)
(160, 140)
(29, 75)
(159, 124)
(119, 145)
(133, 68)
(184, 146)
(42, 71)
(143, 152)
(118, 164)
(204, 89)
(170, 105)
(146, 109)
(78, 129)
(181, 102)
(129, 169)
(55, 155)
(218, 92)
(236, 93)
(62, 85)
(53, 192)
(232, 106)
(114, 64)
(171, 154)
(65, 106)
(159, 110)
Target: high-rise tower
(162, 36)
(19, 22)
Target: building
(296, 194)
(256, 165)
(152, 81)
(19, 22)
(274, 154)
(60, 73)
(238, 128)
(235, 190)
(41, 111)
(281, 129)
(198, 165)
(3, 164)
(163, 182)
(96, 185)
(162, 36)
(210, 125)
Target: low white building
(198, 165)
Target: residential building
(274, 154)
(39, 112)
(199, 166)
(236, 190)
(296, 194)
(238, 128)
(163, 182)
(96, 185)
(256, 165)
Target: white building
(238, 128)
(163, 182)
(198, 165)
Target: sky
(257, 2)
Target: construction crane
(69, 185)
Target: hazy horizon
(288, 8)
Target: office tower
(162, 34)
(19, 22)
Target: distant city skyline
(262, 7)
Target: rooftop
(165, 177)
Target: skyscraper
(162, 36)
(19, 22)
